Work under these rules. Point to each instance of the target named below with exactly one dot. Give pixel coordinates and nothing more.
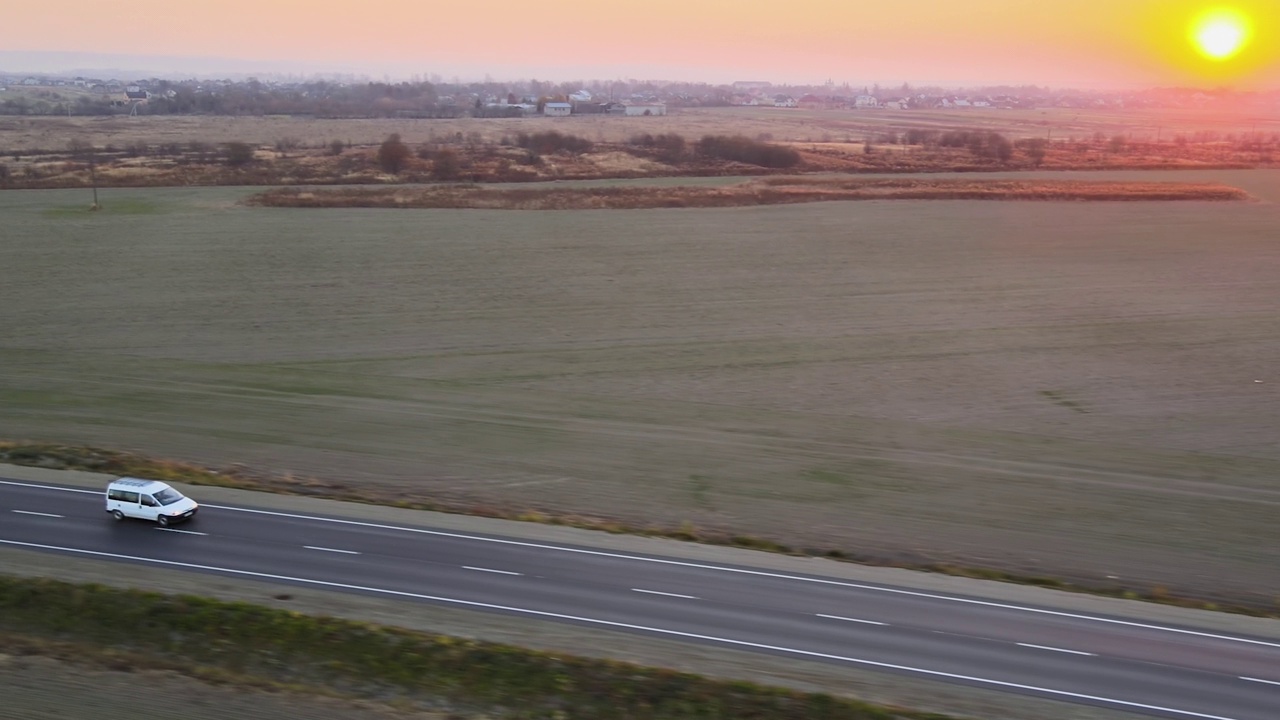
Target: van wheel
(117, 514)
(162, 521)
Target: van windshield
(168, 496)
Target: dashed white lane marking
(852, 620)
(658, 592)
(1054, 649)
(491, 570)
(630, 626)
(32, 512)
(718, 568)
(1259, 680)
(184, 532)
(332, 550)
(762, 573)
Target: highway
(1147, 668)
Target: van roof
(136, 483)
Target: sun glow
(1220, 34)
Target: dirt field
(1077, 390)
(781, 124)
(773, 191)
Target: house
(866, 101)
(133, 92)
(785, 101)
(580, 96)
(557, 109)
(810, 101)
(645, 109)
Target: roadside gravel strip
(40, 688)
(711, 661)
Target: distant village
(354, 97)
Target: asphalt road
(1160, 670)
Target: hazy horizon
(1095, 44)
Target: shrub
(667, 146)
(989, 145)
(1035, 148)
(544, 143)
(287, 144)
(445, 165)
(393, 154)
(738, 148)
(336, 147)
(238, 154)
(920, 137)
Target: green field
(1061, 388)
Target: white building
(557, 109)
(645, 109)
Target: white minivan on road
(148, 500)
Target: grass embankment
(767, 191)
(114, 462)
(241, 643)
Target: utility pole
(93, 179)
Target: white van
(148, 500)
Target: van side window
(130, 497)
(115, 494)
(148, 501)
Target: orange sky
(1046, 42)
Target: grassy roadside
(251, 645)
(54, 456)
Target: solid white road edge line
(719, 568)
(629, 626)
(184, 532)
(40, 514)
(491, 570)
(1054, 649)
(1259, 680)
(667, 594)
(849, 619)
(332, 550)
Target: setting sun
(1220, 34)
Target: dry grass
(183, 150)
(783, 125)
(771, 191)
